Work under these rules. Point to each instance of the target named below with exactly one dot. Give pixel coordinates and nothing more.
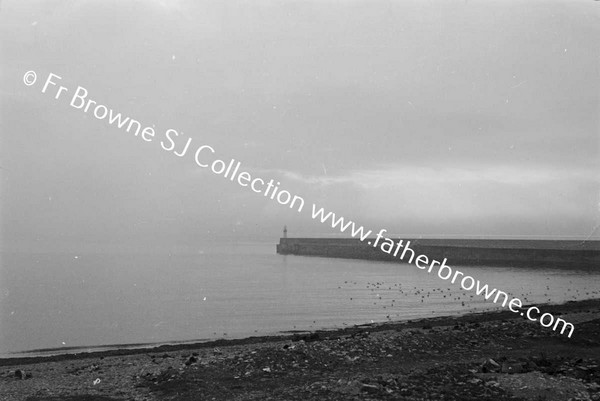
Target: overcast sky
(439, 118)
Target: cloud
(391, 175)
(473, 198)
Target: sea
(53, 303)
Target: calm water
(84, 300)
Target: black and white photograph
(299, 200)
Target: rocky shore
(487, 356)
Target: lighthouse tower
(284, 231)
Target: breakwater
(486, 252)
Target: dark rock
(191, 359)
(20, 374)
(531, 365)
(490, 366)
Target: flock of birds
(388, 301)
(395, 300)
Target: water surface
(52, 300)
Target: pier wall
(533, 253)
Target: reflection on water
(68, 300)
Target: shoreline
(287, 335)
(495, 355)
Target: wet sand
(484, 356)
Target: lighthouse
(284, 231)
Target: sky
(439, 119)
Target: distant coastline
(481, 252)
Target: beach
(478, 356)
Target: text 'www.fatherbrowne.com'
(401, 249)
